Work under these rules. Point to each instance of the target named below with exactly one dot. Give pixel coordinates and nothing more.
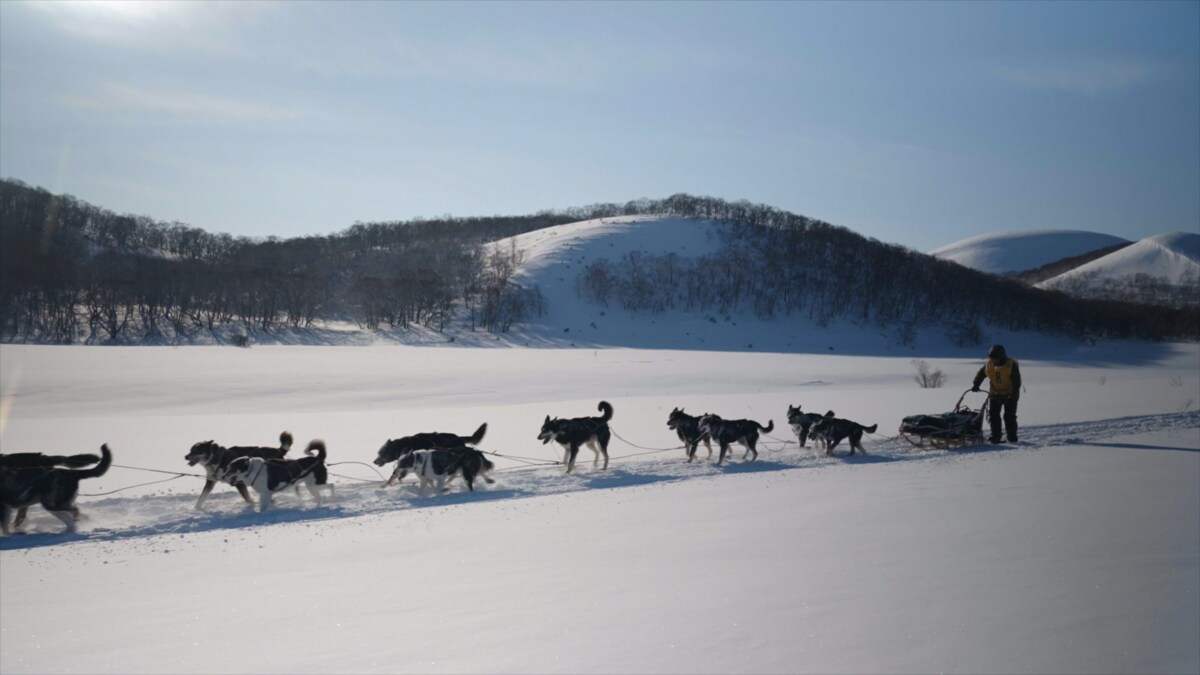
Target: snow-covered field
(1076, 551)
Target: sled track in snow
(117, 518)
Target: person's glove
(975, 388)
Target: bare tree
(927, 377)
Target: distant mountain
(1009, 253)
(1171, 256)
(1159, 270)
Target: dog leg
(5, 511)
(241, 488)
(20, 520)
(724, 449)
(68, 519)
(572, 452)
(311, 484)
(604, 449)
(208, 486)
(752, 449)
(708, 444)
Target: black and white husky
(687, 427)
(54, 488)
(438, 466)
(834, 430)
(802, 423)
(268, 476)
(577, 431)
(216, 459)
(727, 432)
(395, 448)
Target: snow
(1078, 551)
(1075, 551)
(1019, 251)
(1172, 256)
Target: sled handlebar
(964, 395)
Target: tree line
(71, 271)
(774, 263)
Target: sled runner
(958, 428)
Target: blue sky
(918, 124)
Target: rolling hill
(1007, 253)
(1172, 256)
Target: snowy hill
(1172, 256)
(554, 257)
(1005, 253)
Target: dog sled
(959, 428)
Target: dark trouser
(1010, 417)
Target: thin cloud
(151, 25)
(1087, 79)
(126, 99)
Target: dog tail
(769, 428)
(319, 446)
(478, 435)
(871, 429)
(78, 461)
(101, 468)
(285, 441)
(605, 408)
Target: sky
(914, 123)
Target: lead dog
(440, 465)
(802, 424)
(687, 428)
(727, 432)
(394, 449)
(55, 488)
(268, 476)
(216, 459)
(577, 431)
(833, 430)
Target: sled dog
(37, 460)
(216, 459)
(574, 432)
(54, 488)
(802, 423)
(687, 427)
(833, 430)
(268, 476)
(726, 432)
(442, 464)
(396, 448)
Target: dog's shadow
(618, 478)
